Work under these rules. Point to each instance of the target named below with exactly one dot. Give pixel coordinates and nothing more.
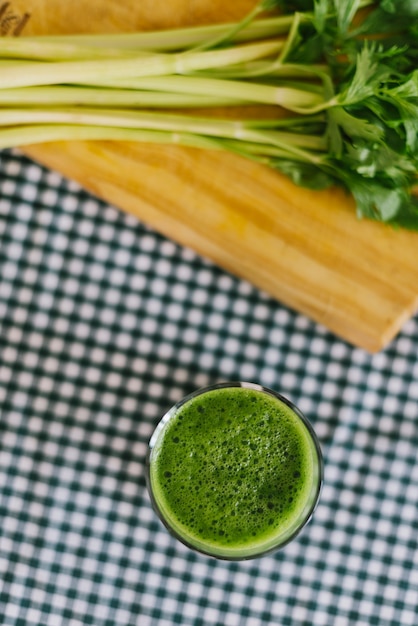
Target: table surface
(104, 324)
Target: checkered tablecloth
(104, 324)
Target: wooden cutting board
(307, 249)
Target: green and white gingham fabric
(104, 324)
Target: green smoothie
(234, 471)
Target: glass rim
(258, 551)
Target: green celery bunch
(343, 71)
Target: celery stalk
(154, 41)
(25, 135)
(298, 100)
(40, 73)
(94, 96)
(248, 130)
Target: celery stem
(32, 73)
(161, 40)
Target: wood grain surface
(306, 249)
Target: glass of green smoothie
(234, 470)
